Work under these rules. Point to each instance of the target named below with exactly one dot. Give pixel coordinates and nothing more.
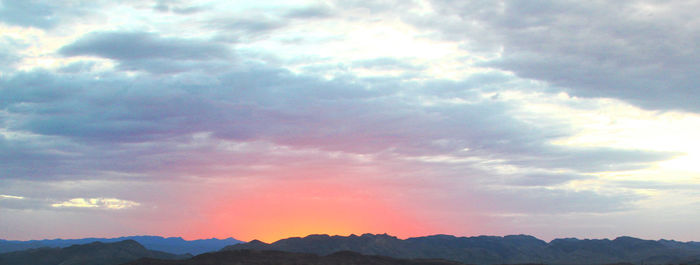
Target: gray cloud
(542, 200)
(386, 63)
(177, 7)
(657, 185)
(43, 14)
(255, 25)
(192, 119)
(595, 159)
(319, 11)
(40, 14)
(245, 27)
(544, 179)
(9, 47)
(141, 45)
(105, 124)
(645, 56)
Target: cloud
(4, 196)
(101, 203)
(140, 45)
(386, 63)
(319, 11)
(38, 14)
(44, 15)
(149, 51)
(177, 7)
(9, 49)
(245, 27)
(187, 117)
(87, 129)
(641, 52)
(543, 179)
(558, 201)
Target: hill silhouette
(175, 245)
(269, 257)
(96, 253)
(516, 249)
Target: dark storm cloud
(643, 52)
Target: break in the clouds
(105, 203)
(455, 117)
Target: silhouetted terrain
(174, 245)
(269, 257)
(493, 250)
(95, 253)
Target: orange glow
(301, 208)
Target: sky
(271, 119)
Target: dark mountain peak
(256, 244)
(565, 239)
(442, 235)
(128, 242)
(94, 253)
(628, 239)
(521, 236)
(525, 238)
(384, 235)
(125, 245)
(317, 237)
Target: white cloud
(104, 203)
(4, 196)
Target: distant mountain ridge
(175, 245)
(95, 253)
(268, 257)
(515, 249)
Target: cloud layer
(172, 111)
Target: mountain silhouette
(515, 249)
(96, 253)
(175, 245)
(272, 257)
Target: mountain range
(379, 249)
(515, 249)
(270, 257)
(175, 245)
(95, 253)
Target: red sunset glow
(301, 208)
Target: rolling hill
(96, 253)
